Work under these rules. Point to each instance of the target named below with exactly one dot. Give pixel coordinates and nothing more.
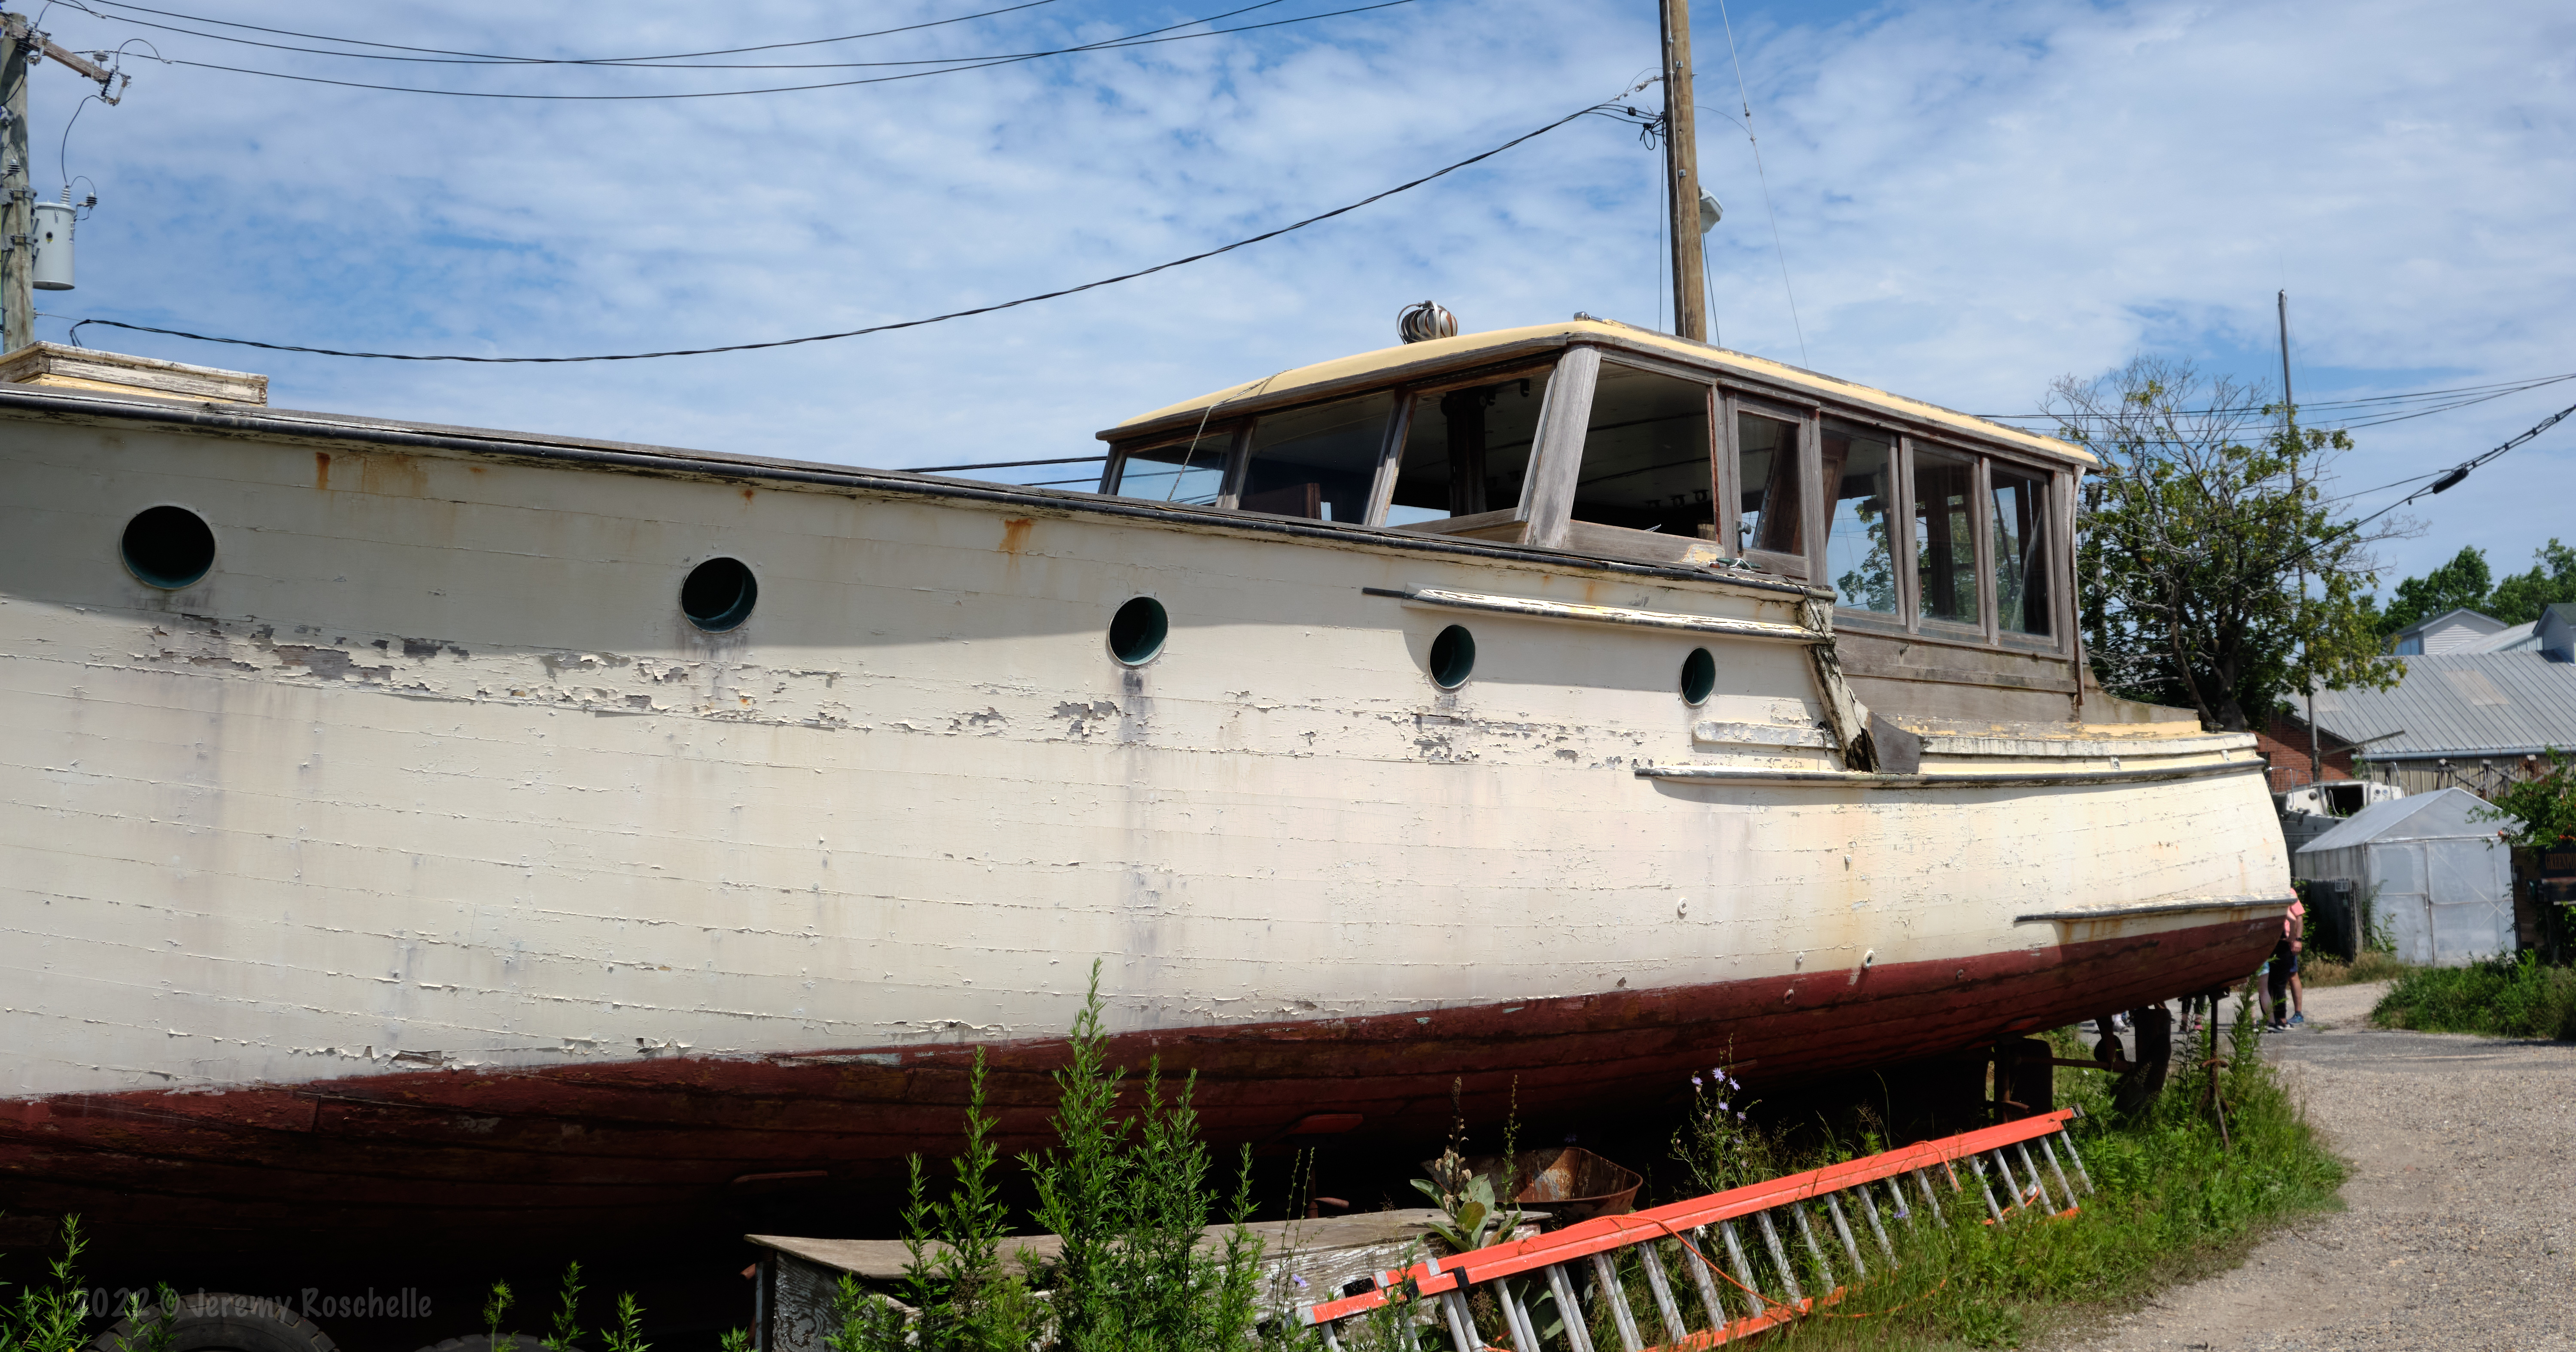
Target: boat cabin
(1944, 540)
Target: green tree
(2538, 812)
(2463, 583)
(2520, 598)
(2213, 574)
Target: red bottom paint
(663, 1144)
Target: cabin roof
(1469, 350)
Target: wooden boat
(423, 827)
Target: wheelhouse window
(1467, 451)
(1860, 523)
(1646, 456)
(2023, 601)
(1945, 535)
(1768, 515)
(1191, 469)
(1318, 462)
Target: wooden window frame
(1399, 426)
(2057, 502)
(1901, 560)
(1621, 541)
(1981, 633)
(1237, 434)
(1731, 472)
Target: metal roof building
(2431, 877)
(2480, 712)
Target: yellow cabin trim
(1393, 364)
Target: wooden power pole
(22, 46)
(18, 214)
(2290, 426)
(1681, 176)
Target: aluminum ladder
(1758, 1286)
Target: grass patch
(2174, 1203)
(2508, 996)
(2316, 973)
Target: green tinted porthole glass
(1699, 676)
(719, 594)
(1453, 657)
(1137, 631)
(168, 547)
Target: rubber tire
(482, 1342)
(215, 1321)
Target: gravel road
(2461, 1227)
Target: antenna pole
(1681, 175)
(18, 213)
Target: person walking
(2285, 1004)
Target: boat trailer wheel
(218, 1321)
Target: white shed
(2436, 881)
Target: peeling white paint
(432, 761)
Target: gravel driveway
(2461, 1227)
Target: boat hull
(423, 864)
(685, 1141)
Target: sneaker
(2298, 1019)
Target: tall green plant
(49, 1318)
(1130, 1199)
(962, 1300)
(1080, 1182)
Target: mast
(1681, 176)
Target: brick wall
(2284, 744)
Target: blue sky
(1971, 200)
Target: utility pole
(18, 215)
(1681, 176)
(2290, 422)
(21, 46)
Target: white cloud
(1973, 199)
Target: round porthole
(1453, 656)
(719, 594)
(1137, 631)
(1699, 676)
(169, 546)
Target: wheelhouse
(1927, 526)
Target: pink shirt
(2290, 922)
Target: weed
(496, 1308)
(1475, 1216)
(1718, 1143)
(567, 1329)
(2505, 996)
(49, 1318)
(1129, 1196)
(2371, 964)
(2173, 1200)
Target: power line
(1745, 95)
(1109, 44)
(2504, 387)
(529, 60)
(2450, 479)
(673, 63)
(1603, 108)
